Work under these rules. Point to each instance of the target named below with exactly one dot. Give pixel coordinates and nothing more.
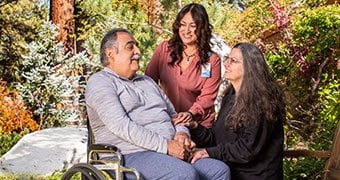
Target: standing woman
(248, 133)
(186, 68)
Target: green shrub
(55, 176)
(303, 168)
(15, 119)
(8, 140)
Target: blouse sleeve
(202, 136)
(210, 88)
(246, 146)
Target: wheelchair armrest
(102, 147)
(95, 149)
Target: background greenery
(300, 39)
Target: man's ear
(109, 52)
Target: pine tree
(51, 87)
(19, 23)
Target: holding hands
(181, 146)
(184, 147)
(185, 140)
(199, 154)
(185, 119)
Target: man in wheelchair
(131, 112)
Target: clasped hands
(182, 146)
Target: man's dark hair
(109, 41)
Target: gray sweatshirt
(134, 115)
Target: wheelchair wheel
(85, 171)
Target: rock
(46, 151)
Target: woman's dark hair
(259, 97)
(203, 32)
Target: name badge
(206, 70)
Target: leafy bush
(299, 38)
(55, 176)
(8, 140)
(303, 168)
(305, 64)
(313, 85)
(300, 42)
(14, 117)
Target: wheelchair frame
(96, 168)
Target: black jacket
(254, 152)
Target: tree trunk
(61, 14)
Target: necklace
(189, 56)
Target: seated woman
(248, 132)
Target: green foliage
(303, 168)
(51, 80)
(319, 30)
(15, 119)
(280, 60)
(315, 35)
(330, 100)
(8, 140)
(254, 21)
(44, 83)
(55, 176)
(133, 19)
(329, 96)
(302, 56)
(19, 23)
(220, 23)
(316, 3)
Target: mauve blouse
(187, 90)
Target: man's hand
(185, 140)
(199, 154)
(177, 150)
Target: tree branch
(315, 83)
(143, 24)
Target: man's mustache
(135, 57)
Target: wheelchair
(100, 169)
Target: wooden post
(332, 169)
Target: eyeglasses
(231, 60)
